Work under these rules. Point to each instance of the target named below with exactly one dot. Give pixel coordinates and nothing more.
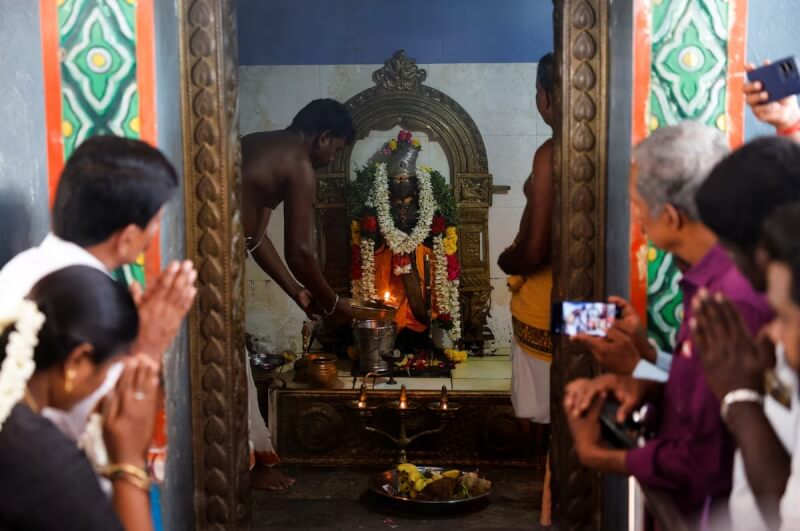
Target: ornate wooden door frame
(214, 241)
(581, 47)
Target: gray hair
(673, 162)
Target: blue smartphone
(780, 79)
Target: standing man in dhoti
(527, 260)
(278, 167)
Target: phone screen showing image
(591, 318)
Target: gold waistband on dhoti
(536, 339)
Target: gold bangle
(134, 475)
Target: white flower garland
(365, 287)
(446, 291)
(18, 365)
(398, 241)
(455, 310)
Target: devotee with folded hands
(56, 348)
(740, 194)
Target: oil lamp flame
(387, 297)
(443, 399)
(403, 398)
(362, 397)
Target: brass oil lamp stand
(404, 410)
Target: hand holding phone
(779, 79)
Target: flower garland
(398, 241)
(18, 365)
(446, 272)
(370, 210)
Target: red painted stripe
(642, 45)
(737, 46)
(145, 80)
(48, 16)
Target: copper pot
(322, 372)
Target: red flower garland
(369, 226)
(453, 267)
(438, 226)
(355, 263)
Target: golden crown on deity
(402, 152)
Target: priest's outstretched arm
(268, 259)
(298, 216)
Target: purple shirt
(692, 455)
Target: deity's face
(404, 202)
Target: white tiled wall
(499, 97)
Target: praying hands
(162, 308)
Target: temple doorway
(435, 113)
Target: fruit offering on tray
(419, 483)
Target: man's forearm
(766, 461)
(604, 460)
(268, 259)
(306, 269)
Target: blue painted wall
(332, 32)
(773, 32)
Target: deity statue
(404, 239)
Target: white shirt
(790, 503)
(658, 372)
(17, 279)
(744, 511)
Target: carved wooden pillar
(579, 230)
(215, 243)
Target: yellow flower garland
(450, 241)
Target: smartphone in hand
(578, 317)
(779, 79)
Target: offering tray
(372, 310)
(386, 486)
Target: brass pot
(322, 372)
(301, 370)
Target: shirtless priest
(278, 167)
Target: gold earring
(69, 384)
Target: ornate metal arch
(399, 97)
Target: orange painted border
(51, 53)
(642, 49)
(737, 45)
(145, 81)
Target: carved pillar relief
(214, 242)
(580, 165)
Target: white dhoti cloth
(260, 439)
(530, 385)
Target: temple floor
(337, 498)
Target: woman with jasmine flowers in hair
(55, 351)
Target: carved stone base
(317, 428)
